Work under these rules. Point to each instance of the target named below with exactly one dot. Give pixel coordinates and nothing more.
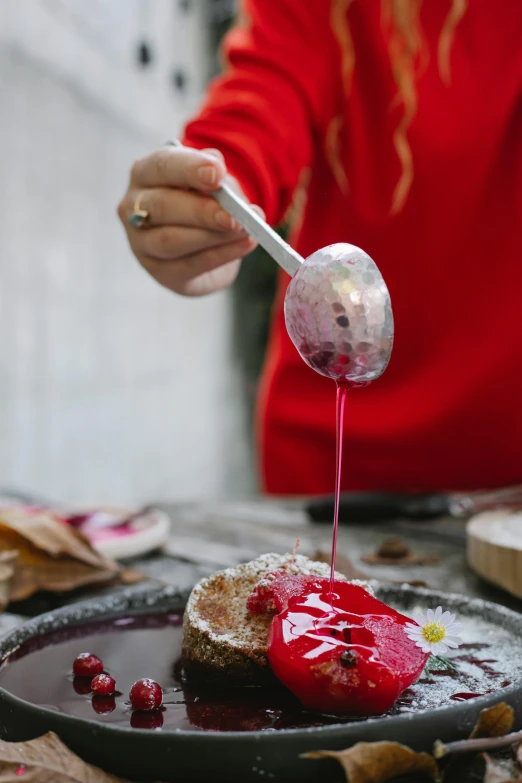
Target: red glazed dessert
(341, 652)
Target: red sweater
(447, 412)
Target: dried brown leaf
(395, 551)
(51, 555)
(377, 762)
(49, 534)
(494, 721)
(47, 760)
(7, 566)
(499, 771)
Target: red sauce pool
(40, 672)
(131, 648)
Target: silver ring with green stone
(139, 216)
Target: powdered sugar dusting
(486, 662)
(244, 630)
(489, 659)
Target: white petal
(430, 614)
(438, 613)
(414, 636)
(413, 628)
(415, 639)
(440, 648)
(424, 645)
(420, 618)
(453, 641)
(447, 618)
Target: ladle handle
(235, 205)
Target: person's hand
(189, 243)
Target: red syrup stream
(339, 417)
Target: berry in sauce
(87, 665)
(146, 695)
(103, 685)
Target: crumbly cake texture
(223, 642)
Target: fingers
(188, 243)
(200, 272)
(173, 242)
(167, 206)
(179, 167)
(215, 153)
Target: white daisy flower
(436, 631)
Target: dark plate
(263, 755)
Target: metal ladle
(337, 307)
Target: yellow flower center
(434, 632)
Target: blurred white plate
(121, 533)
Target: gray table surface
(208, 536)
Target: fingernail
(208, 174)
(214, 153)
(224, 220)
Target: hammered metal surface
(338, 314)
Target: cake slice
(224, 643)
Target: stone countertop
(205, 537)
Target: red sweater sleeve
(266, 110)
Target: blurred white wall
(111, 389)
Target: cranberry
(82, 685)
(87, 665)
(103, 685)
(102, 705)
(153, 719)
(146, 695)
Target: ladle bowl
(338, 315)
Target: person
(398, 125)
